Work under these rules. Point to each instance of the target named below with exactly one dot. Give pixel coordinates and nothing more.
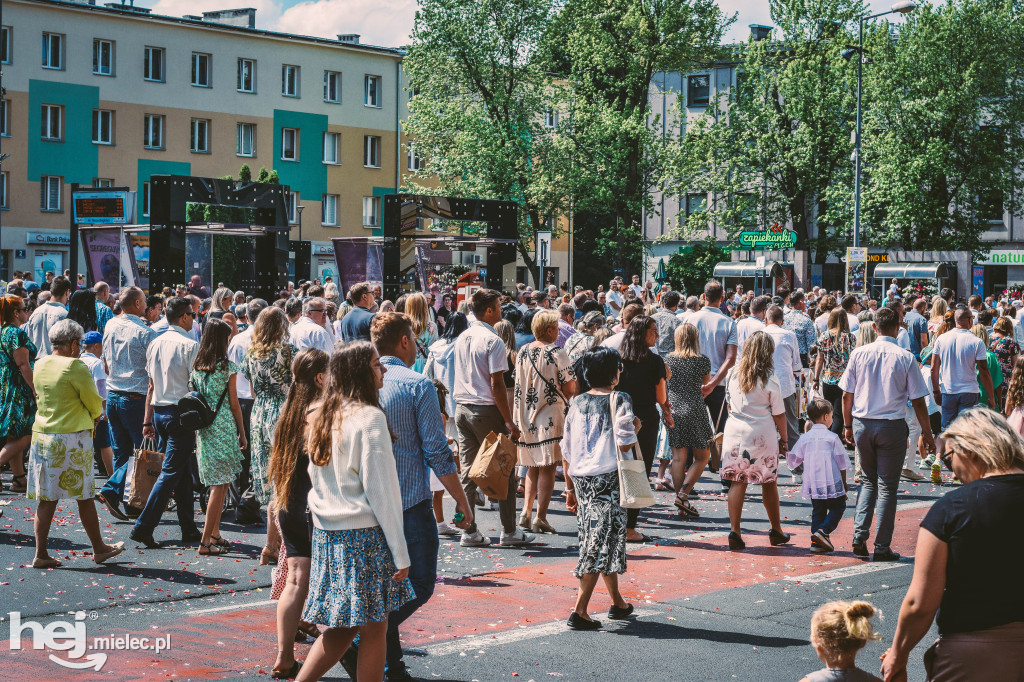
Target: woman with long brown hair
(289, 476)
(423, 328)
(834, 348)
(755, 436)
(360, 564)
(220, 445)
(268, 367)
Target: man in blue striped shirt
(414, 414)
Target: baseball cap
(592, 318)
(92, 337)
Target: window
(332, 87)
(371, 211)
(247, 75)
(4, 180)
(371, 91)
(329, 210)
(415, 161)
(289, 144)
(199, 139)
(698, 90)
(102, 126)
(331, 147)
(145, 199)
(371, 151)
(5, 44)
(103, 182)
(550, 118)
(990, 206)
(200, 70)
(103, 57)
(53, 122)
(290, 80)
(246, 139)
(50, 193)
(153, 133)
(695, 203)
(53, 51)
(153, 65)
(5, 118)
(292, 206)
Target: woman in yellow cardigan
(61, 458)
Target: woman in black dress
(643, 378)
(688, 371)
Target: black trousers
(647, 443)
(834, 395)
(242, 494)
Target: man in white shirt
(481, 399)
(752, 323)
(717, 334)
(614, 299)
(637, 287)
(955, 355)
(787, 369)
(879, 380)
(47, 315)
(975, 303)
(169, 361)
(1018, 322)
(691, 308)
(248, 510)
(667, 322)
(306, 318)
(852, 306)
(631, 311)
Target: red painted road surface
(229, 643)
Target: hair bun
(860, 609)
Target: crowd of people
(349, 419)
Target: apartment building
(694, 92)
(110, 95)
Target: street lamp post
(299, 209)
(902, 7)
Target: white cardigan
(359, 487)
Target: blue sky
(388, 22)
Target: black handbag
(195, 412)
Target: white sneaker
(797, 479)
(927, 462)
(475, 540)
(444, 529)
(516, 538)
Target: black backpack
(195, 411)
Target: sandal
(212, 549)
(217, 540)
(660, 484)
(682, 502)
(115, 549)
(289, 674)
(267, 558)
(19, 487)
(542, 526)
(49, 562)
(525, 520)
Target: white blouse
(593, 435)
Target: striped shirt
(409, 399)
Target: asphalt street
(703, 612)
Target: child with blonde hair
(840, 629)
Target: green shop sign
(773, 238)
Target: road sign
(452, 246)
(103, 207)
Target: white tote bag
(634, 486)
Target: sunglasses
(621, 366)
(317, 310)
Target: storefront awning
(914, 270)
(748, 269)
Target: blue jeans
(177, 444)
(826, 514)
(125, 415)
(954, 403)
(883, 445)
(421, 539)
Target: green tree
(609, 50)
(776, 148)
(691, 268)
(478, 111)
(943, 125)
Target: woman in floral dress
(834, 348)
(220, 444)
(1002, 344)
(268, 367)
(60, 462)
(544, 384)
(754, 436)
(17, 396)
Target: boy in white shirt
(92, 354)
(825, 462)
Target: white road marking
(846, 572)
(232, 607)
(477, 642)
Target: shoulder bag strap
(721, 411)
(547, 381)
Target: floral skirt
(602, 525)
(750, 456)
(60, 467)
(350, 579)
